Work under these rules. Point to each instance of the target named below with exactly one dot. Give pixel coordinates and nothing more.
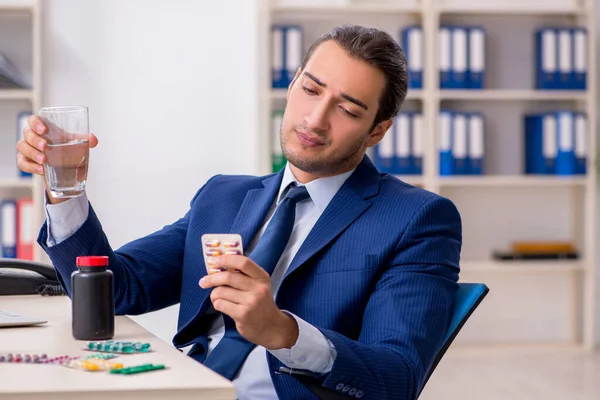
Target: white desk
(184, 378)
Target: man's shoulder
(403, 196)
(239, 180)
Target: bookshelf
(504, 204)
(20, 40)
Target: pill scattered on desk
(137, 369)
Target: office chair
(468, 297)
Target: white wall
(171, 87)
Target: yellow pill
(233, 252)
(212, 243)
(213, 253)
(231, 245)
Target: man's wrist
(287, 334)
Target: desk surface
(184, 378)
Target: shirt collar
(321, 190)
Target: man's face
(331, 107)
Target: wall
(171, 87)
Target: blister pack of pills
(216, 244)
(119, 347)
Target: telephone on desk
(28, 277)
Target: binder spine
(293, 52)
(565, 59)
(476, 69)
(459, 144)
(581, 143)
(417, 144)
(383, 152)
(445, 57)
(8, 229)
(402, 144)
(546, 59)
(459, 58)
(476, 154)
(445, 142)
(580, 58)
(277, 48)
(565, 158)
(412, 42)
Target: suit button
(352, 392)
(346, 388)
(302, 359)
(359, 394)
(339, 386)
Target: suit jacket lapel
(346, 206)
(254, 209)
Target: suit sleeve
(408, 313)
(147, 271)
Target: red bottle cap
(92, 261)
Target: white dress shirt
(312, 351)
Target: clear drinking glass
(67, 151)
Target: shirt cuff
(64, 219)
(312, 351)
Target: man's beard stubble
(319, 165)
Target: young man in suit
(361, 293)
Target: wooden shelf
(522, 266)
(512, 180)
(16, 94)
(16, 183)
(517, 95)
(474, 8)
(347, 8)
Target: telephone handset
(27, 277)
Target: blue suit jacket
(376, 275)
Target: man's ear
(379, 132)
(289, 89)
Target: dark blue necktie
(229, 355)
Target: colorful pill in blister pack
(23, 358)
(93, 364)
(217, 244)
(100, 356)
(137, 369)
(112, 346)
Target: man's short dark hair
(379, 49)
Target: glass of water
(67, 151)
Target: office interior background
(181, 90)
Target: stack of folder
(561, 58)
(287, 51)
(556, 143)
(461, 143)
(400, 152)
(16, 229)
(462, 57)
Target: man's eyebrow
(342, 95)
